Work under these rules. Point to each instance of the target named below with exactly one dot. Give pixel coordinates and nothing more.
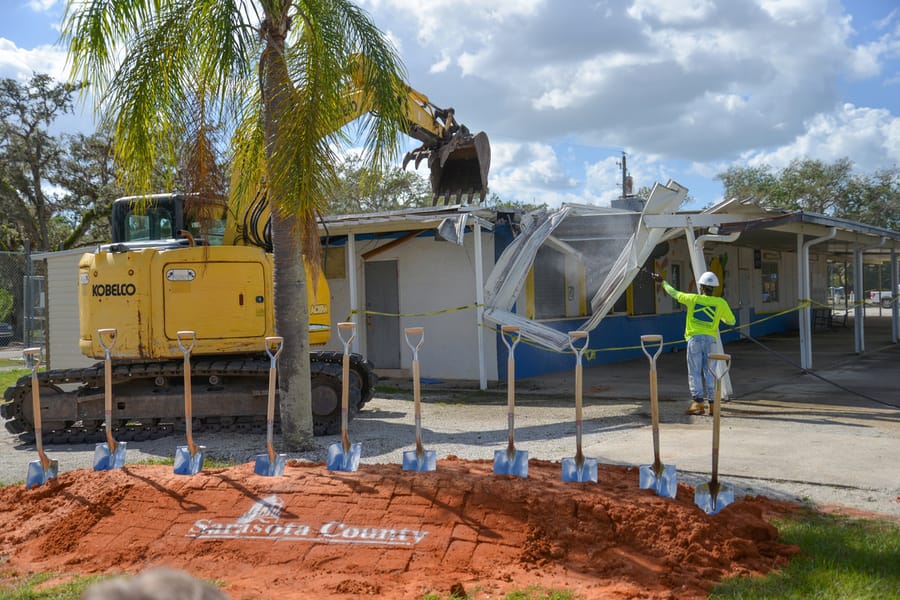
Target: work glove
(656, 277)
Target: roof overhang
(413, 219)
(779, 230)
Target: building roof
(778, 230)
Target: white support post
(479, 300)
(698, 264)
(895, 295)
(859, 309)
(805, 293)
(351, 278)
(803, 316)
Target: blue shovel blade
(413, 462)
(38, 476)
(586, 472)
(185, 463)
(268, 468)
(712, 504)
(665, 485)
(104, 460)
(338, 460)
(517, 465)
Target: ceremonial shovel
(578, 468)
(44, 469)
(271, 464)
(418, 459)
(511, 461)
(658, 477)
(188, 459)
(344, 456)
(715, 495)
(110, 454)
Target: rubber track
(322, 364)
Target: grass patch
(10, 377)
(35, 587)
(208, 463)
(841, 558)
(390, 389)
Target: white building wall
(62, 310)
(433, 276)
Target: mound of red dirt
(384, 532)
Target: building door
(383, 331)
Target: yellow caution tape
(589, 353)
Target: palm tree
(275, 72)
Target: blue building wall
(618, 338)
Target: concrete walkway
(831, 436)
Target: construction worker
(701, 328)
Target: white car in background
(882, 297)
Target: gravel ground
(472, 425)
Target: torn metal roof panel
(506, 281)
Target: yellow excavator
(163, 273)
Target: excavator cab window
(210, 228)
(134, 220)
(153, 225)
(162, 217)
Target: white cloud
(21, 63)
(793, 11)
(441, 65)
(869, 137)
(672, 12)
(701, 83)
(41, 5)
(529, 165)
(691, 78)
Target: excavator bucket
(459, 167)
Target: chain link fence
(23, 301)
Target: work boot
(696, 408)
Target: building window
(549, 284)
(675, 280)
(643, 291)
(334, 262)
(769, 282)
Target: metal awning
(779, 231)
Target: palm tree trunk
(291, 309)
(292, 322)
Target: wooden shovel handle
(35, 355)
(716, 409)
(186, 347)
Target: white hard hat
(709, 279)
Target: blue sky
(686, 88)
